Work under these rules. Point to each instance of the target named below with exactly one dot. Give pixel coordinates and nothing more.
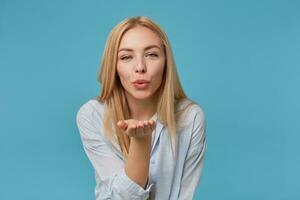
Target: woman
(143, 136)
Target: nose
(140, 66)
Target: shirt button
(152, 162)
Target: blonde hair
(113, 94)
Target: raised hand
(137, 129)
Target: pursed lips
(141, 84)
(140, 81)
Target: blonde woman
(143, 136)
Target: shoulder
(190, 113)
(91, 106)
(90, 110)
(192, 126)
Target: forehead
(139, 37)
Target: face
(141, 62)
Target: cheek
(160, 69)
(158, 75)
(122, 73)
(124, 77)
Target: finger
(131, 131)
(122, 124)
(146, 124)
(148, 128)
(153, 124)
(140, 129)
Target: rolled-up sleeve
(195, 158)
(112, 181)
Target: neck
(141, 109)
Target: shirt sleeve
(112, 183)
(195, 158)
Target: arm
(140, 133)
(113, 181)
(195, 158)
(137, 164)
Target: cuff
(132, 187)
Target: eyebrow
(146, 48)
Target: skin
(140, 56)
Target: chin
(141, 95)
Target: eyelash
(151, 54)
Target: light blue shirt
(169, 178)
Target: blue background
(240, 60)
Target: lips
(141, 81)
(141, 84)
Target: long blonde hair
(113, 94)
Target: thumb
(122, 124)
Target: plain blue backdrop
(240, 60)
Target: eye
(154, 55)
(125, 57)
